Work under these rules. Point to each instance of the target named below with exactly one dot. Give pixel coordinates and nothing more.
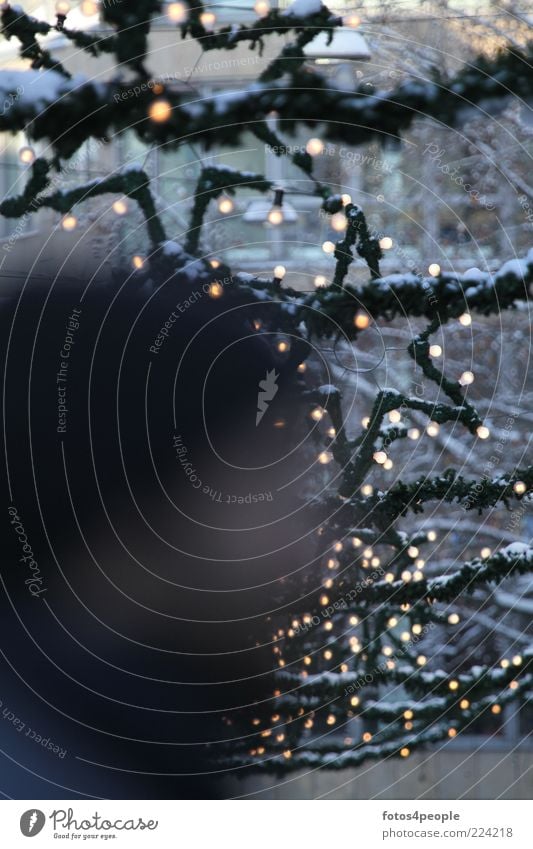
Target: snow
(303, 8)
(172, 248)
(37, 89)
(328, 389)
(517, 549)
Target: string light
(386, 243)
(216, 290)
(465, 319)
(421, 660)
(395, 416)
(62, 8)
(69, 223)
(137, 262)
(283, 347)
(514, 685)
(432, 429)
(453, 684)
(504, 663)
(354, 701)
(346, 199)
(485, 552)
(317, 414)
(328, 247)
(406, 576)
(352, 21)
(413, 433)
(367, 736)
(225, 205)
(328, 654)
(361, 320)
(331, 432)
(453, 618)
(367, 489)
(314, 147)
(301, 368)
(517, 660)
(435, 350)
(519, 487)
(434, 269)
(496, 709)
(417, 628)
(432, 536)
(405, 752)
(380, 457)
(388, 464)
(412, 551)
(120, 207)
(207, 19)
(325, 457)
(27, 155)
(160, 111)
(279, 272)
(89, 8)
(331, 720)
(464, 704)
(338, 222)
(354, 620)
(262, 8)
(483, 432)
(466, 378)
(320, 281)
(177, 13)
(452, 732)
(275, 215)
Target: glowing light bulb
(434, 269)
(346, 199)
(328, 247)
(435, 351)
(354, 701)
(389, 577)
(214, 263)
(421, 660)
(405, 752)
(177, 12)
(452, 732)
(485, 552)
(283, 347)
(338, 222)
(417, 628)
(356, 542)
(331, 720)
(262, 8)
(325, 457)
(317, 414)
(432, 536)
(160, 111)
(328, 654)
(388, 464)
(367, 489)
(380, 457)
(412, 551)
(465, 319)
(354, 620)
(464, 704)
(367, 736)
(517, 660)
(320, 281)
(328, 626)
(453, 618)
(120, 207)
(453, 685)
(280, 272)
(395, 416)
(432, 429)
(366, 421)
(483, 432)
(62, 7)
(302, 368)
(27, 155)
(331, 432)
(89, 8)
(466, 378)
(69, 222)
(413, 433)
(519, 487)
(361, 320)
(406, 576)
(225, 205)
(207, 19)
(314, 147)
(216, 290)
(496, 709)
(352, 21)
(275, 216)
(408, 714)
(137, 262)
(386, 243)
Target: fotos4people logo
(32, 822)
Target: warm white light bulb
(434, 269)
(62, 7)
(320, 281)
(275, 216)
(386, 243)
(338, 222)
(137, 261)
(380, 457)
(520, 487)
(466, 378)
(328, 247)
(177, 12)
(432, 429)
(89, 8)
(27, 155)
(483, 432)
(280, 272)
(435, 350)
(262, 8)
(69, 222)
(361, 320)
(413, 433)
(314, 147)
(120, 207)
(207, 19)
(225, 205)
(465, 319)
(325, 457)
(346, 199)
(216, 290)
